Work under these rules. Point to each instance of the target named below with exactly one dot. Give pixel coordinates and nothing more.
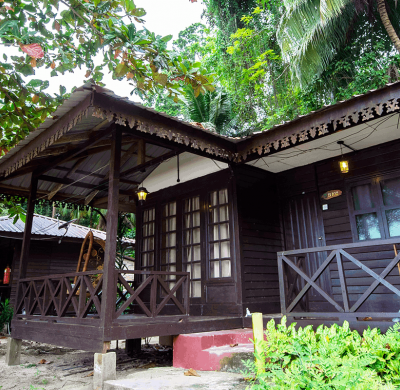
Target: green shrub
(330, 358)
(6, 313)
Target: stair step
(210, 351)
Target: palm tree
(311, 32)
(212, 110)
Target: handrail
(55, 297)
(138, 272)
(341, 246)
(334, 253)
(56, 276)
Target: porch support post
(109, 287)
(26, 241)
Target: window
(219, 235)
(375, 209)
(193, 235)
(148, 239)
(192, 244)
(168, 241)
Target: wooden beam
(122, 206)
(64, 149)
(26, 241)
(109, 281)
(20, 191)
(141, 152)
(67, 182)
(82, 136)
(45, 135)
(90, 197)
(131, 182)
(75, 167)
(97, 137)
(128, 154)
(54, 191)
(148, 164)
(80, 172)
(156, 119)
(171, 145)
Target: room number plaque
(331, 194)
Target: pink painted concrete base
(204, 351)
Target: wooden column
(109, 287)
(26, 241)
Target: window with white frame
(219, 235)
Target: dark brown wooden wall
(45, 258)
(260, 238)
(324, 176)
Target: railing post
(153, 295)
(26, 241)
(186, 294)
(281, 285)
(343, 284)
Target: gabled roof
(49, 228)
(70, 152)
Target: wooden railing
(152, 294)
(294, 283)
(57, 297)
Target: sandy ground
(69, 369)
(73, 369)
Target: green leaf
(167, 38)
(131, 32)
(161, 79)
(25, 69)
(121, 70)
(35, 83)
(138, 12)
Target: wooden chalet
(267, 223)
(55, 249)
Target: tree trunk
(388, 24)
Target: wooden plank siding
(260, 238)
(324, 176)
(45, 258)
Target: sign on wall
(331, 194)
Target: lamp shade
(142, 194)
(344, 166)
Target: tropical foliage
(212, 110)
(312, 32)
(6, 313)
(62, 35)
(334, 358)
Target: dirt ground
(46, 367)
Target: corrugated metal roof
(82, 92)
(48, 227)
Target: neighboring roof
(48, 227)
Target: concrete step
(210, 351)
(168, 378)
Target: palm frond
(213, 109)
(310, 34)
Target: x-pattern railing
(336, 253)
(155, 286)
(57, 296)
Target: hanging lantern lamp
(343, 164)
(142, 194)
